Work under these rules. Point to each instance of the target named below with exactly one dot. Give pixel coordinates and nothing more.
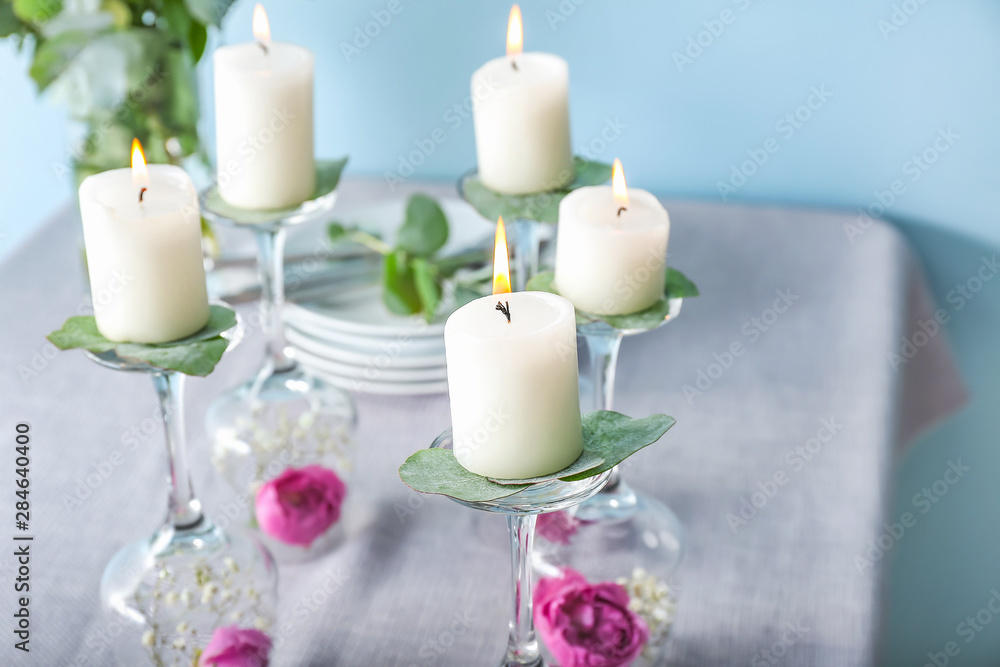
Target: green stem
(370, 241)
(448, 265)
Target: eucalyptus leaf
(588, 460)
(209, 12)
(541, 206)
(54, 55)
(651, 318)
(428, 289)
(176, 19)
(328, 174)
(220, 319)
(9, 23)
(615, 437)
(197, 39)
(81, 332)
(608, 439)
(437, 471)
(121, 15)
(196, 354)
(676, 286)
(197, 358)
(36, 11)
(425, 229)
(337, 231)
(399, 292)
(679, 286)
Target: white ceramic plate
(416, 346)
(466, 228)
(388, 389)
(360, 311)
(387, 372)
(391, 356)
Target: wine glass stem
(184, 509)
(603, 349)
(271, 269)
(526, 242)
(522, 646)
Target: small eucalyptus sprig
(413, 276)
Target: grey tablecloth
(815, 317)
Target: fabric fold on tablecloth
(932, 388)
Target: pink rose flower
(232, 646)
(300, 504)
(557, 527)
(587, 625)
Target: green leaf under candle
(676, 286)
(196, 354)
(437, 471)
(541, 206)
(328, 174)
(608, 437)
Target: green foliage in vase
(123, 68)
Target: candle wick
(142, 191)
(623, 208)
(505, 311)
(263, 47)
(513, 63)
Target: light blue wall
(684, 128)
(32, 141)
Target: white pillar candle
(521, 118)
(611, 252)
(514, 386)
(264, 122)
(147, 276)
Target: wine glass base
(282, 418)
(169, 593)
(624, 537)
(535, 663)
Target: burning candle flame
(261, 27)
(140, 174)
(501, 264)
(515, 33)
(618, 188)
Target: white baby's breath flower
(179, 643)
(186, 598)
(307, 419)
(182, 627)
(230, 563)
(207, 591)
(260, 623)
(653, 600)
(148, 638)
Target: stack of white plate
(348, 337)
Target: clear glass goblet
(171, 592)
(521, 510)
(283, 416)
